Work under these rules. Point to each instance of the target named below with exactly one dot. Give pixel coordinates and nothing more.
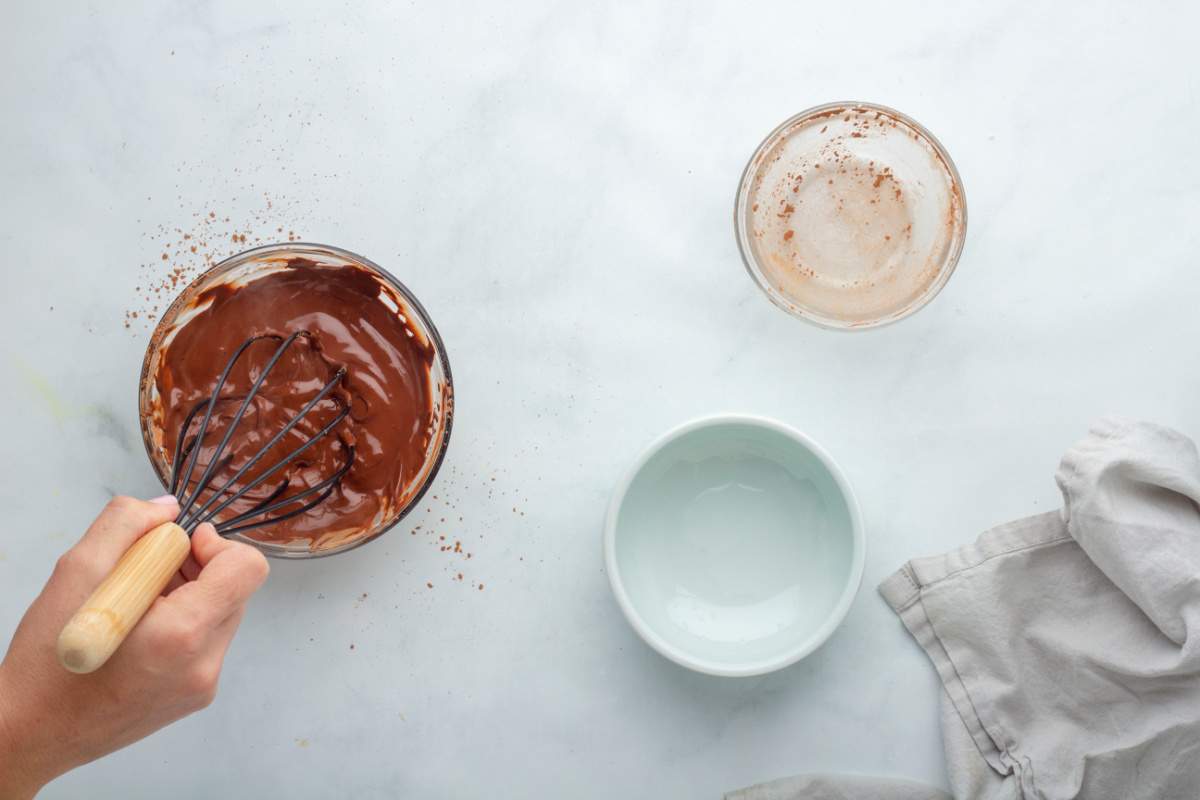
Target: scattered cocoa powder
(188, 248)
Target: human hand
(52, 720)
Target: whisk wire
(181, 448)
(190, 459)
(321, 395)
(195, 519)
(206, 476)
(187, 453)
(328, 485)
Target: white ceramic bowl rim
(784, 658)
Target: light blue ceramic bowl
(734, 545)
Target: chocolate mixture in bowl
(396, 386)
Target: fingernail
(165, 500)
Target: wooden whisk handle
(107, 617)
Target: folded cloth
(1068, 643)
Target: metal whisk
(192, 512)
(105, 618)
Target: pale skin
(52, 720)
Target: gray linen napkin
(1068, 643)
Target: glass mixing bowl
(249, 266)
(850, 216)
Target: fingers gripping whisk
(279, 504)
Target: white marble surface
(555, 181)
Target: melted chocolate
(387, 386)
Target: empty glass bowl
(850, 216)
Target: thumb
(229, 573)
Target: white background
(555, 181)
